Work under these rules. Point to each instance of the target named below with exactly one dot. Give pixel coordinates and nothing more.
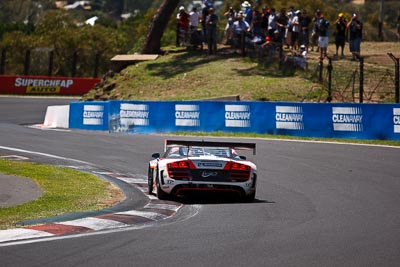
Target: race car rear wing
(233, 145)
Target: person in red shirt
(183, 20)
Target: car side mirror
(156, 155)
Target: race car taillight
(180, 169)
(237, 171)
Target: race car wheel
(250, 198)
(161, 195)
(150, 181)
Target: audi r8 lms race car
(187, 167)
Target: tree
(152, 44)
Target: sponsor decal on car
(237, 116)
(347, 119)
(289, 117)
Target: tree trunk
(160, 20)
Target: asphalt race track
(318, 204)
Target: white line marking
(43, 154)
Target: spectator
(230, 17)
(289, 28)
(340, 34)
(315, 32)
(184, 19)
(264, 20)
(282, 23)
(256, 22)
(247, 12)
(194, 19)
(299, 59)
(323, 39)
(240, 29)
(273, 44)
(304, 37)
(211, 22)
(272, 22)
(355, 36)
(203, 17)
(296, 30)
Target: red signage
(43, 85)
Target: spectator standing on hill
(248, 12)
(296, 30)
(323, 39)
(355, 36)
(184, 19)
(211, 22)
(203, 17)
(272, 22)
(194, 19)
(240, 29)
(289, 28)
(282, 23)
(315, 31)
(256, 22)
(264, 20)
(340, 34)
(304, 37)
(230, 19)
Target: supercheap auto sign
(10, 84)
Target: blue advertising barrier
(325, 120)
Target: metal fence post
(330, 68)
(397, 77)
(321, 68)
(361, 79)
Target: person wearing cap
(183, 20)
(323, 39)
(340, 33)
(355, 35)
(247, 12)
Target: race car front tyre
(150, 181)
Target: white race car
(188, 166)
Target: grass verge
(64, 190)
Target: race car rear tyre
(161, 195)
